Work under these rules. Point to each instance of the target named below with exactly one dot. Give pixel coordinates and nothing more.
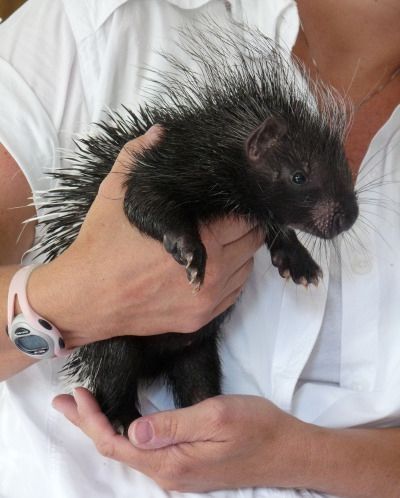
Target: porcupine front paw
(296, 262)
(291, 258)
(188, 251)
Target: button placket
(360, 313)
(302, 311)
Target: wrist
(370, 455)
(31, 333)
(12, 360)
(300, 453)
(310, 457)
(51, 293)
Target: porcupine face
(307, 182)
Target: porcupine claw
(317, 278)
(189, 252)
(297, 264)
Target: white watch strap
(17, 290)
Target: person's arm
(244, 441)
(14, 193)
(114, 280)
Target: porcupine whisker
(367, 167)
(386, 204)
(321, 250)
(364, 173)
(307, 239)
(352, 243)
(314, 246)
(349, 246)
(312, 243)
(325, 249)
(335, 245)
(21, 232)
(379, 200)
(278, 233)
(373, 228)
(353, 78)
(377, 182)
(367, 226)
(368, 214)
(347, 240)
(375, 185)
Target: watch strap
(17, 290)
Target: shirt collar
(101, 11)
(188, 4)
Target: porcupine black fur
(241, 137)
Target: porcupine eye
(299, 178)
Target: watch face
(31, 344)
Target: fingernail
(57, 408)
(142, 433)
(75, 394)
(154, 131)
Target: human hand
(221, 443)
(115, 281)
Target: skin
(228, 441)
(150, 276)
(244, 441)
(14, 191)
(354, 61)
(141, 291)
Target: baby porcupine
(244, 135)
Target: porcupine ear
(264, 138)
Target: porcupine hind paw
(188, 251)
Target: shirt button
(361, 266)
(358, 385)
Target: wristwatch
(32, 334)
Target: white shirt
(54, 52)
(323, 365)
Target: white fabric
(323, 365)
(61, 62)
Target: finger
(238, 279)
(84, 411)
(226, 230)
(227, 302)
(136, 146)
(93, 422)
(241, 250)
(233, 289)
(66, 405)
(81, 408)
(160, 430)
(112, 187)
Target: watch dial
(32, 344)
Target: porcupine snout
(333, 217)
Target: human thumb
(112, 187)
(136, 146)
(168, 428)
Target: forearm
(354, 463)
(15, 240)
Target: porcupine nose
(343, 219)
(338, 224)
(332, 217)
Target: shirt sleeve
(39, 76)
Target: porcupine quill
(242, 137)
